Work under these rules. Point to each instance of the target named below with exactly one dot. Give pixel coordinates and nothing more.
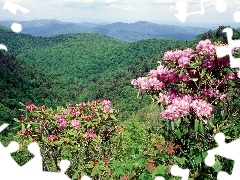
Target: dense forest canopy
(131, 139)
(80, 67)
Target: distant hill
(86, 66)
(80, 67)
(129, 32)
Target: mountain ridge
(129, 32)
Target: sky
(128, 11)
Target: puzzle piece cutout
(177, 171)
(9, 168)
(3, 126)
(2, 46)
(229, 151)
(182, 7)
(12, 7)
(16, 27)
(236, 16)
(31, 169)
(223, 50)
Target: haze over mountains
(129, 32)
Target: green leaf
(153, 107)
(119, 171)
(179, 134)
(105, 116)
(196, 124)
(210, 123)
(107, 169)
(23, 128)
(201, 127)
(178, 122)
(222, 115)
(94, 171)
(204, 154)
(113, 116)
(89, 165)
(161, 108)
(217, 166)
(15, 119)
(231, 83)
(74, 174)
(228, 70)
(57, 142)
(160, 170)
(181, 161)
(22, 104)
(197, 160)
(172, 125)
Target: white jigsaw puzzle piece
(159, 178)
(4, 125)
(183, 14)
(178, 172)
(12, 7)
(182, 10)
(221, 6)
(86, 178)
(64, 165)
(236, 16)
(10, 167)
(35, 164)
(2, 46)
(11, 170)
(227, 150)
(223, 51)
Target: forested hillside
(87, 66)
(79, 67)
(126, 137)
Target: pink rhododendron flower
(52, 137)
(30, 107)
(62, 124)
(183, 61)
(88, 118)
(207, 47)
(209, 64)
(185, 77)
(41, 108)
(89, 134)
(76, 124)
(180, 107)
(106, 103)
(202, 108)
(230, 76)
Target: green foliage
(84, 67)
(85, 131)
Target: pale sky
(156, 11)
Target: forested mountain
(124, 31)
(79, 67)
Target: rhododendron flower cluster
(188, 81)
(30, 107)
(83, 130)
(73, 116)
(181, 105)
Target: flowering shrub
(196, 94)
(80, 133)
(192, 88)
(189, 81)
